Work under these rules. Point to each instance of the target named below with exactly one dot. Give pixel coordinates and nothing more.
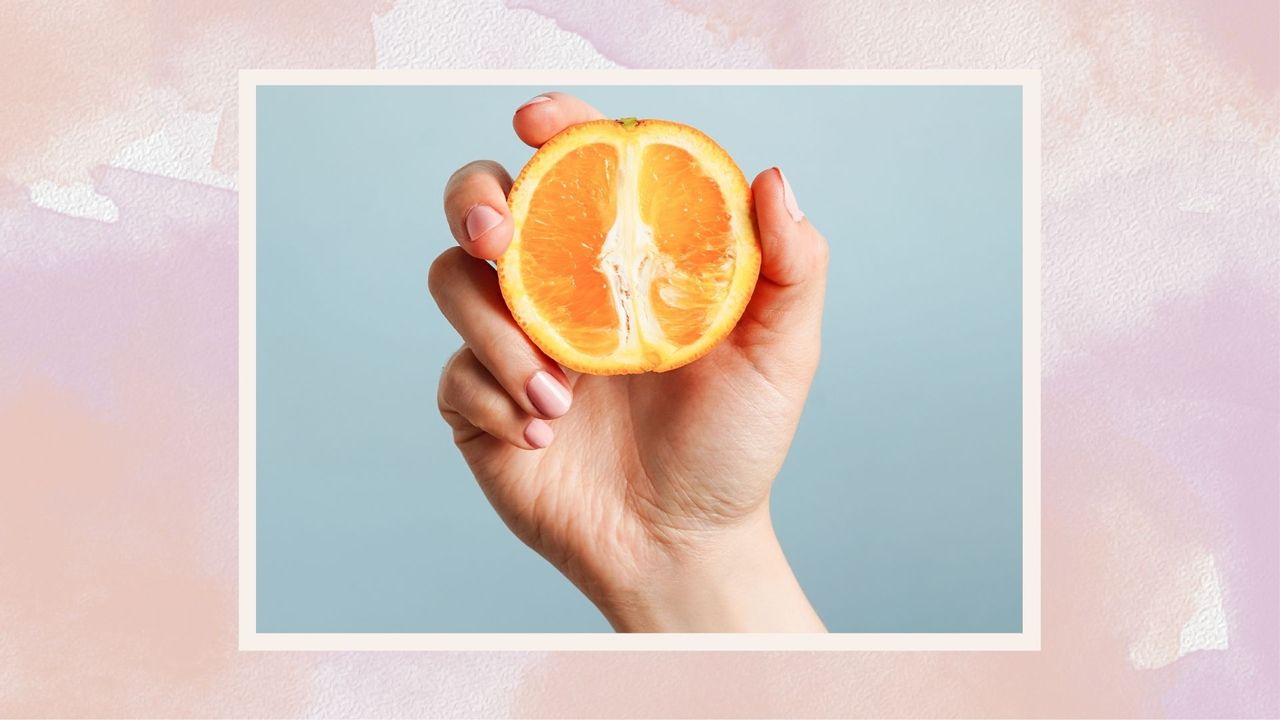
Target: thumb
(787, 303)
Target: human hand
(649, 492)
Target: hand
(649, 492)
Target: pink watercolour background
(1161, 371)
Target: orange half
(634, 248)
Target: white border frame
(1028, 639)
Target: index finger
(475, 206)
(545, 115)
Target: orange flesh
(613, 260)
(686, 211)
(569, 216)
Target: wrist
(731, 579)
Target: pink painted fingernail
(538, 433)
(547, 394)
(480, 220)
(789, 198)
(533, 101)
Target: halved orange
(634, 247)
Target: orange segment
(634, 248)
(570, 213)
(684, 208)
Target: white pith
(630, 260)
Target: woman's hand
(649, 492)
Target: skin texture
(650, 492)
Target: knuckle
(443, 268)
(492, 352)
(454, 389)
(488, 167)
(473, 177)
(448, 376)
(507, 358)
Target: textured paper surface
(1161, 373)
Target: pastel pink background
(1161, 363)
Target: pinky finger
(471, 399)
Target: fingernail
(480, 220)
(533, 101)
(538, 433)
(547, 394)
(789, 198)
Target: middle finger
(467, 291)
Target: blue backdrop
(900, 503)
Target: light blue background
(899, 505)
